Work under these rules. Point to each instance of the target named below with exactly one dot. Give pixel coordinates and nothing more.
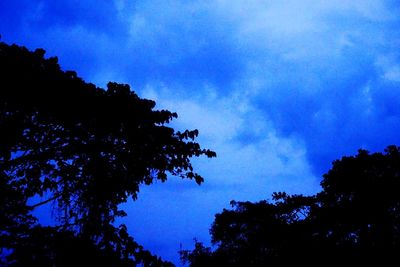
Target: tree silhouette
(87, 150)
(354, 220)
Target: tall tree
(355, 219)
(86, 149)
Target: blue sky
(279, 89)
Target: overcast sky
(279, 89)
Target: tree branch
(44, 202)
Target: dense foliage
(355, 219)
(87, 150)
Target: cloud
(389, 67)
(222, 123)
(278, 88)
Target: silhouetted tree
(87, 150)
(355, 219)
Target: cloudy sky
(278, 88)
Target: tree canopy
(85, 148)
(355, 219)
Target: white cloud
(393, 74)
(389, 67)
(255, 163)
